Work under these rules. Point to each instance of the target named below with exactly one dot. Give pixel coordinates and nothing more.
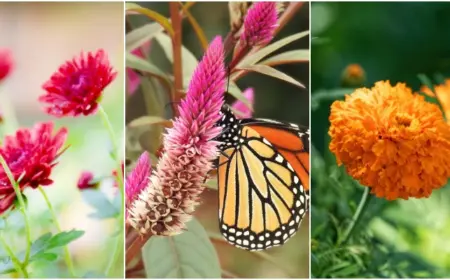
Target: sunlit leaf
(188, 255)
(236, 92)
(295, 56)
(260, 54)
(137, 37)
(269, 71)
(149, 120)
(138, 63)
(188, 59)
(162, 20)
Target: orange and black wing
(262, 183)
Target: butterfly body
(263, 180)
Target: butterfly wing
(262, 199)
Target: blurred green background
(42, 36)
(273, 99)
(390, 41)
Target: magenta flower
(78, 84)
(6, 63)
(31, 155)
(86, 181)
(138, 178)
(133, 79)
(260, 23)
(164, 206)
(241, 109)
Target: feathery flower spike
(6, 63)
(260, 24)
(138, 178)
(31, 155)
(76, 88)
(391, 140)
(242, 110)
(167, 203)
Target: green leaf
(63, 238)
(269, 71)
(188, 255)
(162, 20)
(137, 37)
(6, 265)
(295, 56)
(138, 63)
(257, 56)
(236, 92)
(40, 244)
(49, 257)
(149, 120)
(188, 59)
(97, 199)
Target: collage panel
(217, 140)
(61, 129)
(380, 88)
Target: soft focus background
(390, 41)
(42, 36)
(273, 99)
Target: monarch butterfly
(263, 180)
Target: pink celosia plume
(241, 109)
(167, 203)
(138, 178)
(133, 79)
(260, 23)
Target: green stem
(67, 257)
(22, 207)
(363, 203)
(119, 242)
(14, 259)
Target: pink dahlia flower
(86, 181)
(260, 24)
(167, 203)
(242, 110)
(6, 63)
(31, 155)
(75, 89)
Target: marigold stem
(67, 256)
(14, 259)
(363, 203)
(115, 155)
(22, 207)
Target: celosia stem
(18, 192)
(242, 51)
(14, 259)
(67, 257)
(117, 246)
(177, 59)
(363, 203)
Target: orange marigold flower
(391, 140)
(353, 75)
(442, 94)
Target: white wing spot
(292, 223)
(224, 227)
(246, 242)
(302, 211)
(276, 241)
(292, 231)
(285, 236)
(252, 245)
(302, 199)
(295, 190)
(261, 238)
(239, 241)
(232, 230)
(268, 242)
(252, 237)
(296, 179)
(297, 219)
(246, 233)
(278, 233)
(231, 238)
(239, 233)
(279, 159)
(298, 203)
